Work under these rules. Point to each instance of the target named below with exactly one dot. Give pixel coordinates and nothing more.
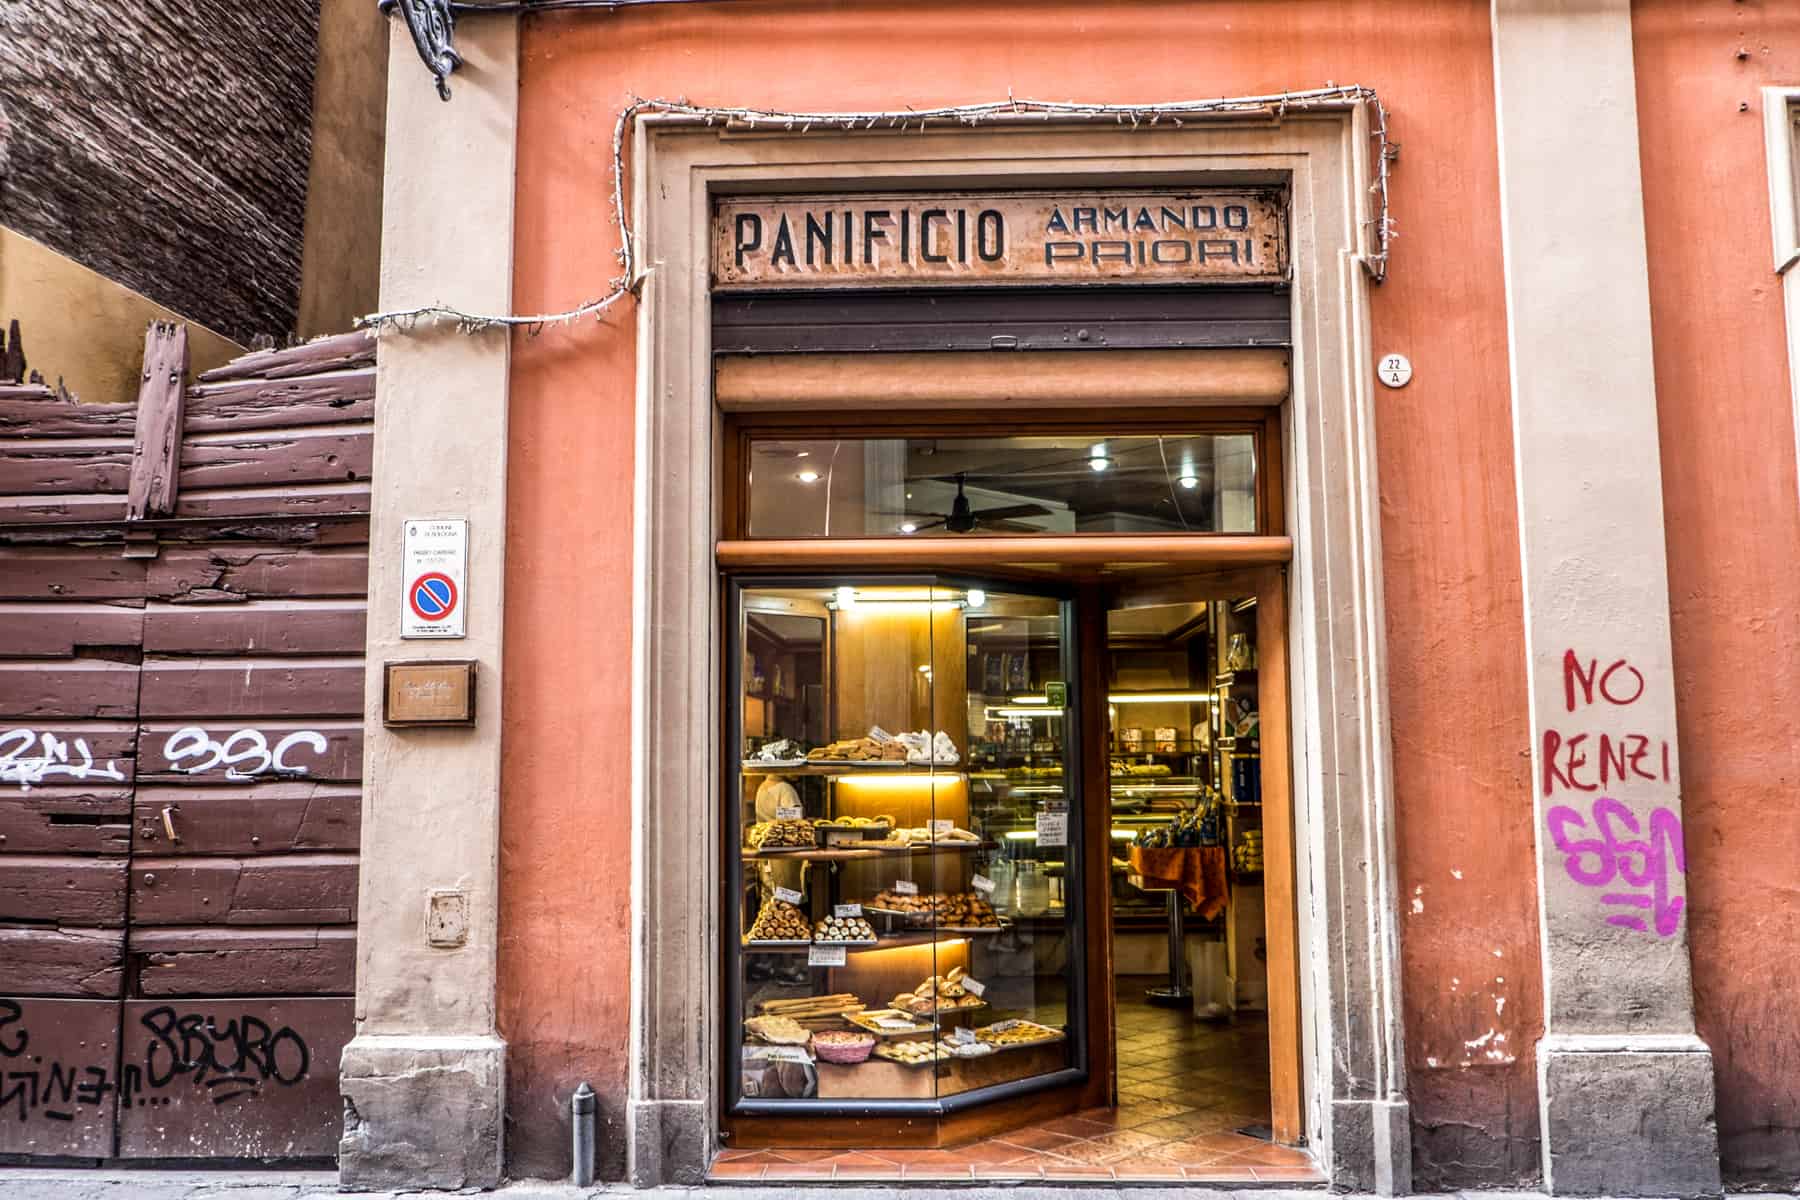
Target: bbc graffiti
(227, 1061)
(1635, 863)
(30, 757)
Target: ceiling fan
(963, 518)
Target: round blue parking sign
(432, 596)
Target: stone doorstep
(30, 1183)
(45, 1183)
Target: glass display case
(901, 845)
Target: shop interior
(996, 860)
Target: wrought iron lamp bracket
(432, 24)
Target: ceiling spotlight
(1190, 482)
(808, 477)
(846, 597)
(1099, 462)
(803, 454)
(977, 597)
(909, 527)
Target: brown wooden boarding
(182, 603)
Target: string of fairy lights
(1011, 110)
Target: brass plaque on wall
(914, 239)
(439, 692)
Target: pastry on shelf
(778, 1031)
(844, 929)
(814, 1009)
(940, 993)
(862, 749)
(1017, 1033)
(779, 921)
(780, 835)
(912, 1053)
(968, 910)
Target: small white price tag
(1053, 828)
(963, 1036)
(789, 812)
(905, 887)
(824, 956)
(982, 883)
(788, 894)
(942, 826)
(895, 1023)
(846, 910)
(793, 1054)
(973, 986)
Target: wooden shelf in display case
(848, 767)
(837, 854)
(891, 941)
(881, 1078)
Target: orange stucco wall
(1729, 502)
(1450, 543)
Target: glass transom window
(1061, 484)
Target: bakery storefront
(1018, 629)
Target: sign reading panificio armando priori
(919, 239)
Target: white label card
(982, 883)
(792, 1054)
(973, 986)
(905, 887)
(963, 1036)
(789, 812)
(1053, 828)
(846, 910)
(825, 956)
(895, 1023)
(788, 894)
(942, 826)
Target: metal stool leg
(1177, 992)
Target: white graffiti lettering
(244, 754)
(53, 759)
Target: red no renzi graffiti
(1586, 762)
(1608, 846)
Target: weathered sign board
(914, 239)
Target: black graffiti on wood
(230, 1061)
(53, 1091)
(226, 1061)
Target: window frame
(740, 429)
(1781, 135)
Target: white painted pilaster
(1625, 1086)
(424, 1078)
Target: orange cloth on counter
(1197, 871)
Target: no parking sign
(436, 557)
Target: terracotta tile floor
(1185, 1091)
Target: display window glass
(812, 486)
(902, 844)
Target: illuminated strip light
(1034, 706)
(1030, 835)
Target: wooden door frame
(1190, 565)
(1357, 1111)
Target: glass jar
(1001, 872)
(1237, 653)
(1031, 889)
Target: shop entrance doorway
(973, 740)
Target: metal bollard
(581, 1112)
